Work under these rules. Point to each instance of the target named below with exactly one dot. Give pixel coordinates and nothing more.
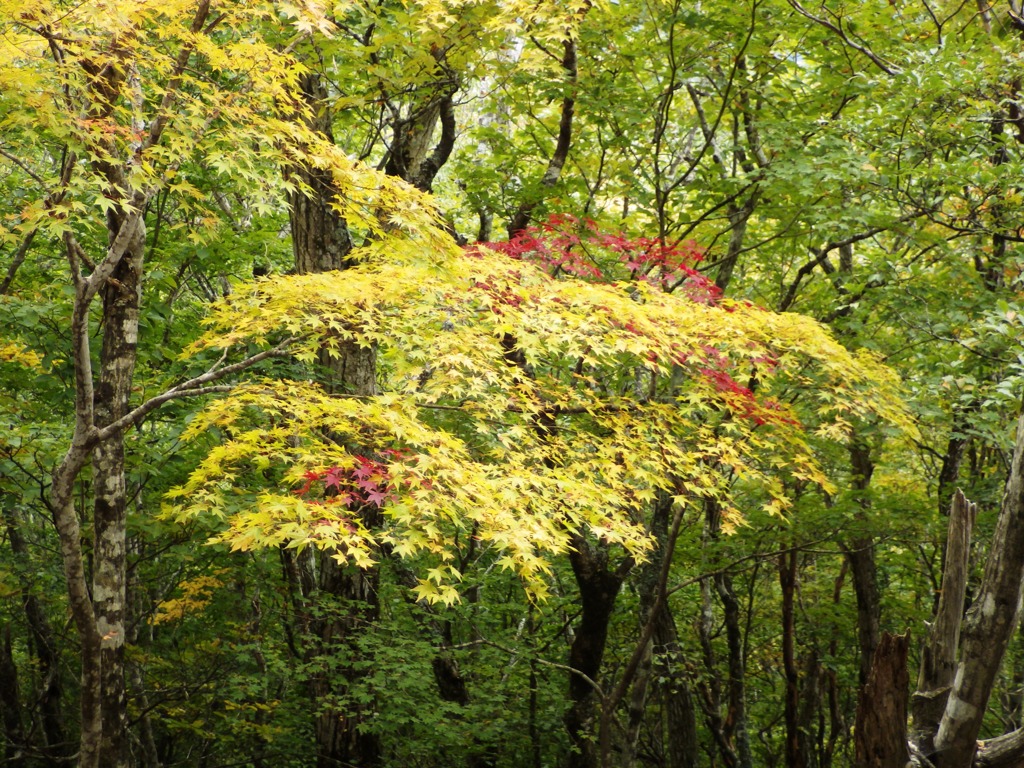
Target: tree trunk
(680, 716)
(949, 474)
(680, 726)
(730, 732)
(988, 626)
(599, 587)
(56, 746)
(880, 737)
(410, 157)
(938, 656)
(10, 705)
(70, 535)
(787, 584)
(837, 729)
(811, 719)
(739, 216)
(861, 554)
(120, 298)
(98, 612)
(734, 729)
(709, 686)
(321, 242)
(737, 688)
(521, 218)
(662, 675)
(637, 709)
(342, 738)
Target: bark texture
(97, 607)
(880, 737)
(938, 656)
(118, 354)
(320, 237)
(1006, 751)
(410, 157)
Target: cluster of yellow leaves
(97, 76)
(196, 594)
(13, 352)
(524, 410)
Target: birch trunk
(118, 354)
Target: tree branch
(428, 169)
(17, 261)
(192, 388)
(554, 665)
(878, 61)
(521, 219)
(821, 255)
(23, 166)
(171, 92)
(1006, 751)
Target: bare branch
(24, 167)
(193, 388)
(821, 255)
(878, 61)
(565, 667)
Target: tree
(527, 413)
(104, 108)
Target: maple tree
(516, 409)
(566, 428)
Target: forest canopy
(496, 384)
